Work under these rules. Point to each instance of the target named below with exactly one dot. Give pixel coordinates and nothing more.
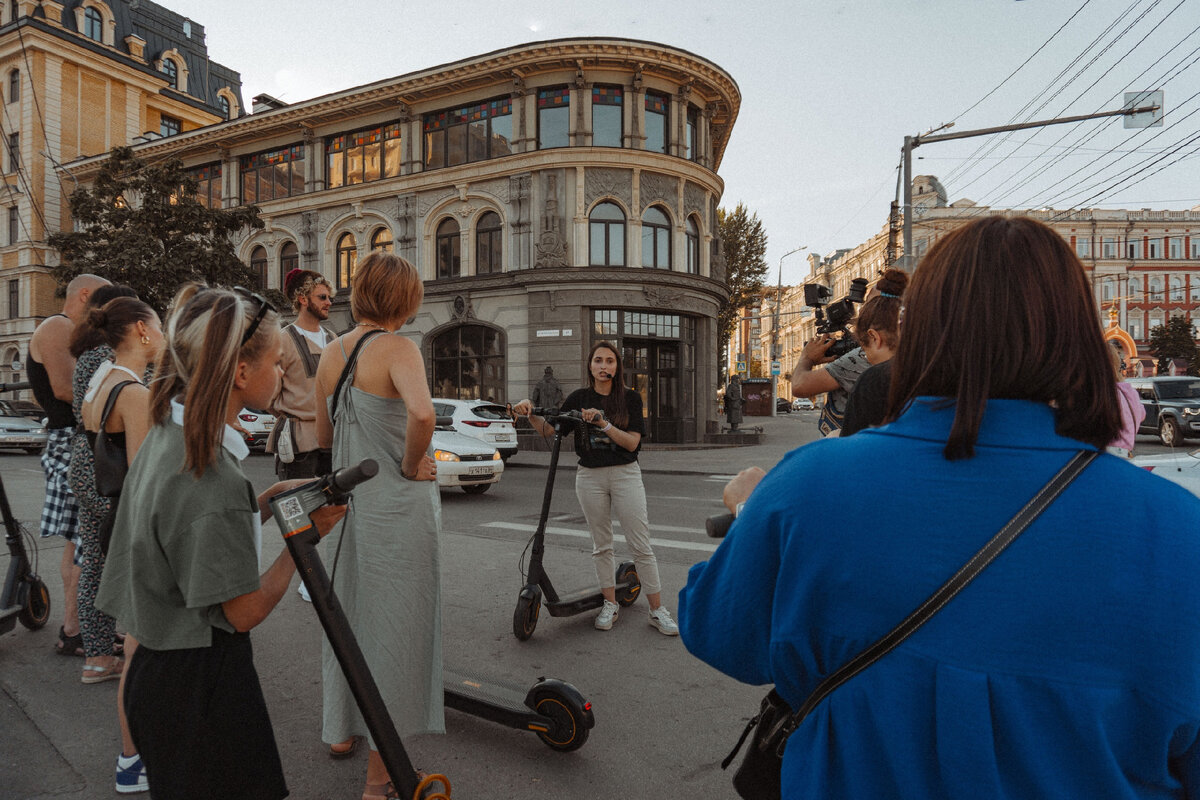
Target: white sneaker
(661, 618)
(607, 616)
(303, 591)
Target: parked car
(256, 427)
(29, 408)
(464, 461)
(803, 404)
(1172, 407)
(1177, 467)
(782, 406)
(19, 431)
(479, 419)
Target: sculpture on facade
(547, 393)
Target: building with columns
(552, 195)
(78, 78)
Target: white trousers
(603, 491)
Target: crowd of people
(1066, 669)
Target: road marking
(720, 478)
(703, 547)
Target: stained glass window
(468, 134)
(272, 174)
(657, 106)
(554, 118)
(208, 184)
(363, 156)
(607, 116)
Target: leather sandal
(350, 744)
(380, 791)
(69, 645)
(94, 673)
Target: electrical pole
(775, 331)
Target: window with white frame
(1110, 247)
(1175, 247)
(1083, 247)
(1196, 247)
(1131, 248)
(1154, 248)
(1135, 328)
(1156, 290)
(1135, 288)
(1176, 289)
(1106, 289)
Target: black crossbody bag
(758, 776)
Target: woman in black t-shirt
(609, 479)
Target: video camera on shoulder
(836, 317)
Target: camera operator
(878, 329)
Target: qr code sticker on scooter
(292, 511)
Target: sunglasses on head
(264, 305)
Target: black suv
(1172, 407)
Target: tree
(141, 225)
(1176, 339)
(744, 244)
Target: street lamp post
(775, 331)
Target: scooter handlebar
(718, 525)
(345, 479)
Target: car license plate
(479, 470)
(269, 424)
(503, 437)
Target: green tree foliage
(141, 225)
(1175, 339)
(745, 246)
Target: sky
(829, 90)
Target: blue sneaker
(131, 775)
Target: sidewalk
(781, 435)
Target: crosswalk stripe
(703, 547)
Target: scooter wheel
(36, 611)
(525, 617)
(570, 730)
(628, 572)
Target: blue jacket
(1070, 668)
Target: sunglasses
(264, 305)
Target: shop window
(606, 236)
(364, 156)
(347, 260)
(656, 239)
(258, 265)
(468, 364)
(489, 244)
(608, 116)
(273, 174)
(449, 249)
(289, 259)
(657, 110)
(381, 239)
(468, 134)
(554, 118)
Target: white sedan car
(479, 419)
(1178, 467)
(256, 427)
(464, 461)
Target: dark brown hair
(614, 406)
(882, 312)
(85, 337)
(113, 321)
(1000, 308)
(386, 288)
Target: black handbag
(758, 776)
(111, 464)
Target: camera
(835, 317)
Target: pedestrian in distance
(1132, 410)
(373, 402)
(609, 479)
(1067, 668)
(183, 565)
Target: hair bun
(892, 282)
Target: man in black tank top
(51, 369)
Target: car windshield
(491, 412)
(7, 410)
(1179, 390)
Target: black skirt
(200, 723)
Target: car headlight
(1191, 412)
(495, 455)
(39, 432)
(445, 455)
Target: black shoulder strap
(348, 370)
(1036, 505)
(112, 401)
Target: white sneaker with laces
(303, 592)
(661, 618)
(607, 615)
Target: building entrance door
(652, 370)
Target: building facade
(80, 77)
(551, 195)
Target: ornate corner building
(552, 195)
(78, 78)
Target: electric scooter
(25, 597)
(538, 588)
(554, 710)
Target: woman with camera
(1067, 668)
(877, 329)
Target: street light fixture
(775, 329)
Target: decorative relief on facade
(426, 202)
(499, 189)
(657, 297)
(693, 201)
(406, 210)
(603, 182)
(308, 232)
(467, 210)
(518, 198)
(656, 188)
(328, 215)
(551, 244)
(718, 264)
(461, 307)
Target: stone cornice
(580, 279)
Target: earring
(145, 340)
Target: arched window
(289, 259)
(449, 249)
(468, 364)
(171, 70)
(489, 244)
(258, 265)
(693, 247)
(1108, 289)
(14, 86)
(347, 260)
(223, 104)
(1135, 288)
(1176, 289)
(1156, 290)
(381, 239)
(606, 236)
(656, 239)
(93, 25)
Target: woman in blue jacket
(1068, 668)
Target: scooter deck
(504, 695)
(568, 605)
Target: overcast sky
(829, 89)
